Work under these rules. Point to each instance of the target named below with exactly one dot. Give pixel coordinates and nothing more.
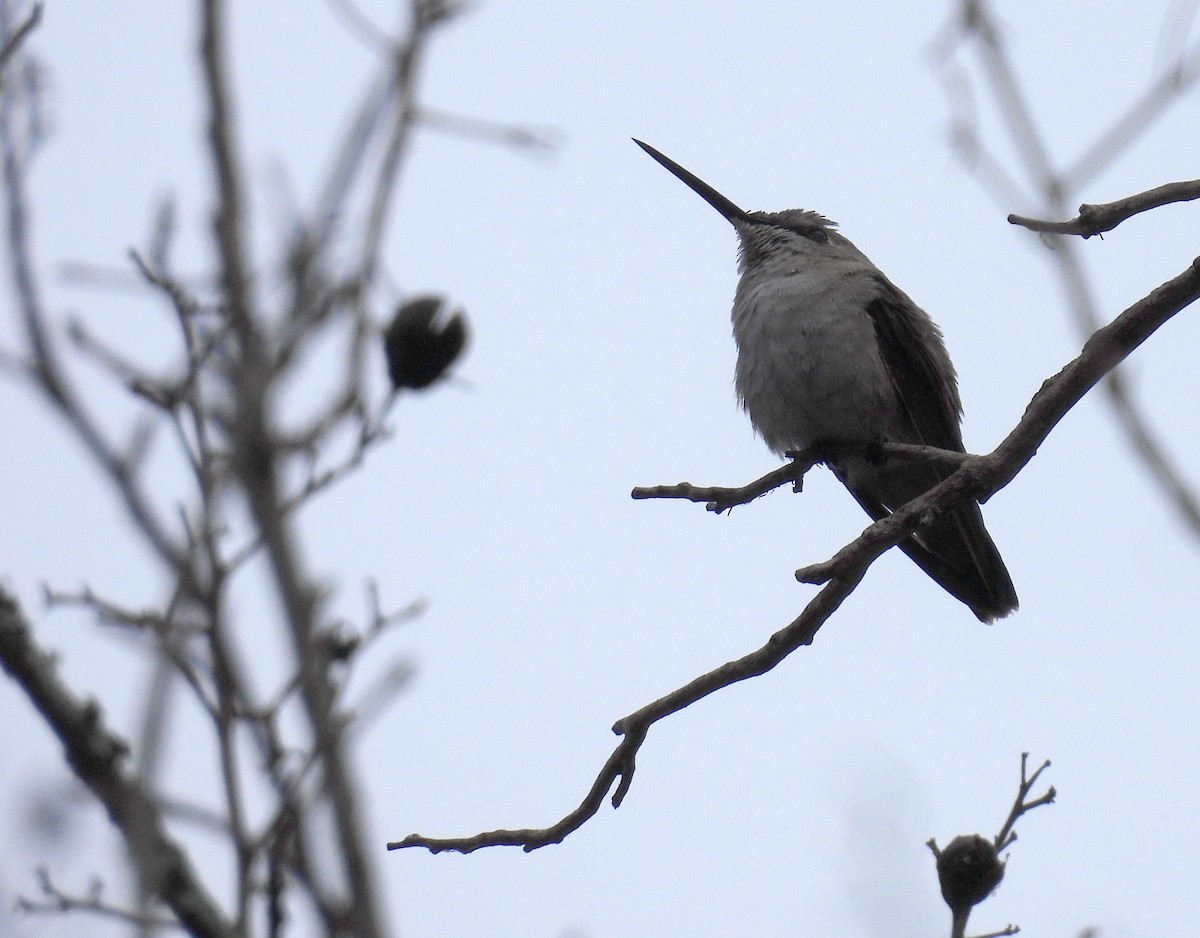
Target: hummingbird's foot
(873, 453)
(806, 456)
(818, 451)
(830, 451)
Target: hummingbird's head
(794, 235)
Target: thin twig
(1096, 219)
(720, 499)
(56, 900)
(228, 219)
(402, 91)
(536, 141)
(360, 25)
(1007, 835)
(19, 35)
(1139, 116)
(51, 380)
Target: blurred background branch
(1046, 190)
(220, 399)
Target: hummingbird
(830, 350)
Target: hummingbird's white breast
(809, 366)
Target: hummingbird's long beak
(700, 187)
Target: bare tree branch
(537, 141)
(1138, 118)
(1007, 835)
(51, 381)
(406, 57)
(255, 466)
(19, 35)
(1096, 219)
(230, 211)
(720, 499)
(96, 756)
(360, 25)
(57, 901)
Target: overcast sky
(598, 289)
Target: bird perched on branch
(830, 350)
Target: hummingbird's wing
(956, 550)
(910, 345)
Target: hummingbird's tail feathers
(958, 554)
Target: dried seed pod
(422, 342)
(968, 870)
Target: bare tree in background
(250, 472)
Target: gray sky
(598, 290)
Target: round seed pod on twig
(968, 870)
(422, 342)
